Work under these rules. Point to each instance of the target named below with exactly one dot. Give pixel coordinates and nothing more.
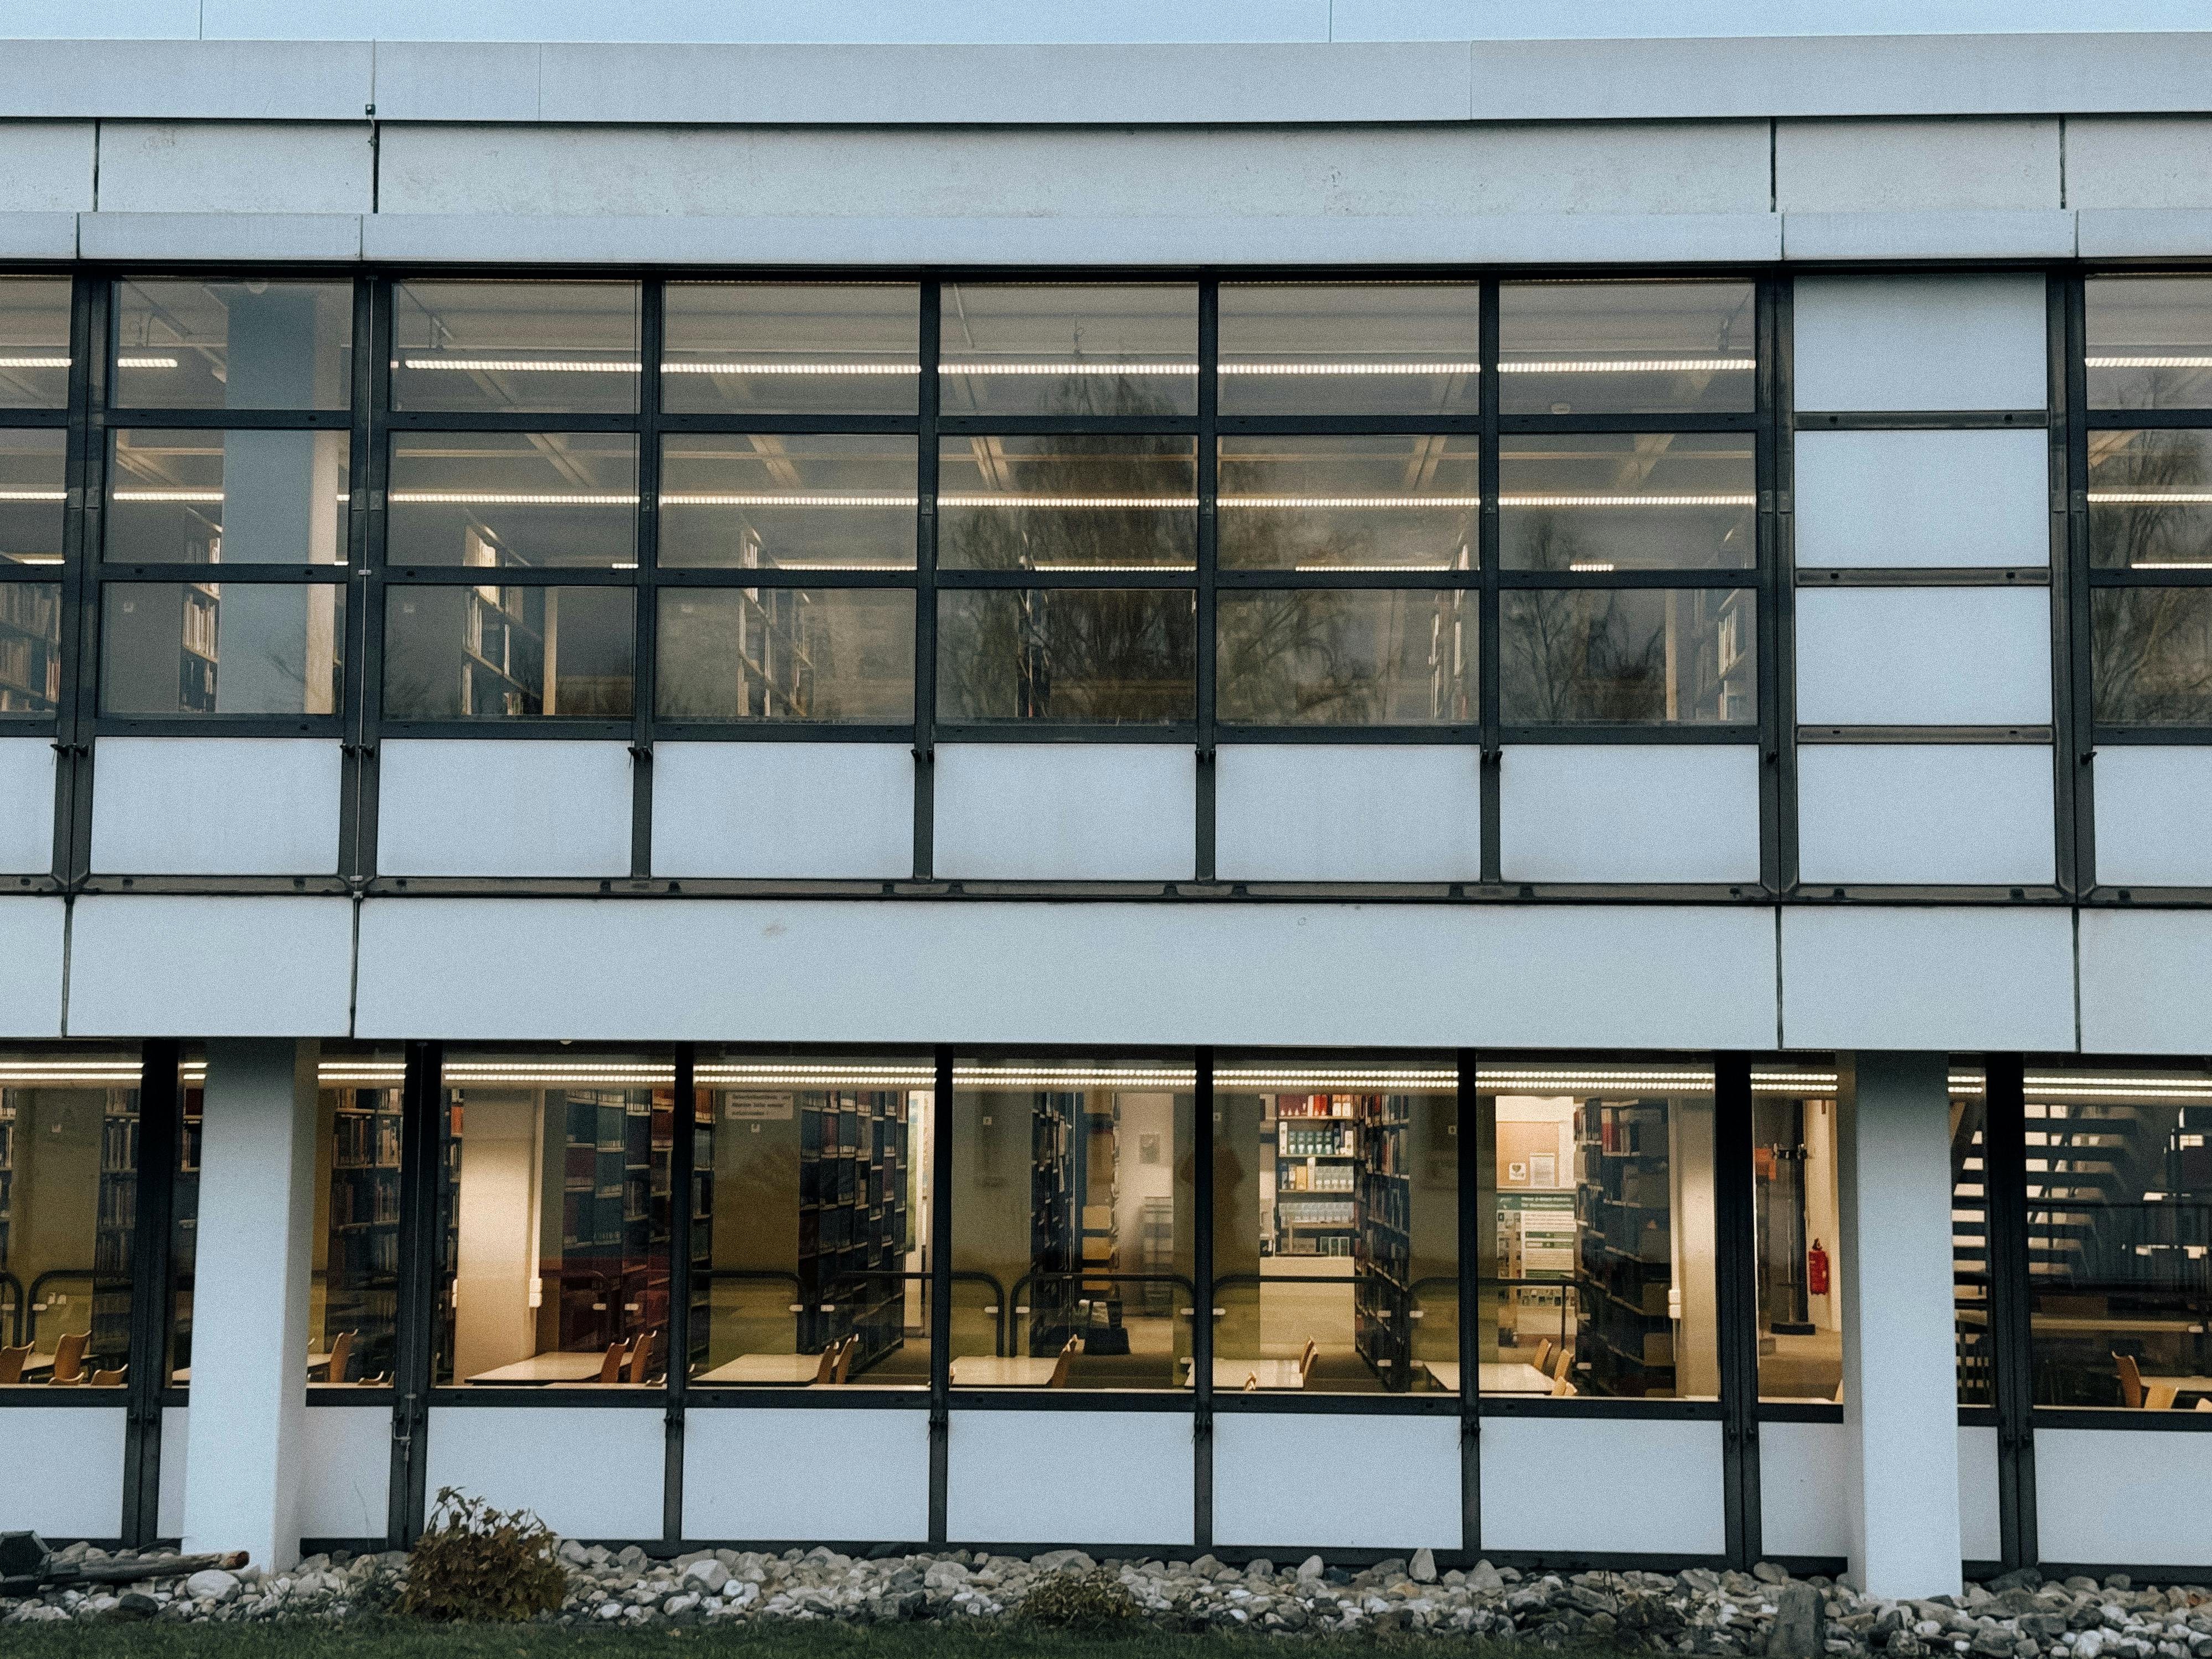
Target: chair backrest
(611, 1368)
(1563, 1364)
(2132, 1387)
(827, 1371)
(845, 1350)
(1306, 1357)
(11, 1362)
(1544, 1355)
(640, 1355)
(2204, 1403)
(341, 1356)
(1060, 1370)
(69, 1356)
(109, 1379)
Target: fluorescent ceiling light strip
(1519, 1080)
(521, 365)
(36, 558)
(672, 367)
(2184, 361)
(1102, 569)
(509, 498)
(37, 361)
(826, 498)
(1589, 564)
(2170, 564)
(2149, 497)
(1441, 366)
(1073, 1077)
(1328, 1080)
(815, 1077)
(206, 497)
(1161, 503)
(1386, 501)
(145, 363)
(1629, 366)
(33, 494)
(1733, 498)
(1382, 568)
(1083, 366)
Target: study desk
(182, 1376)
(982, 1370)
(2159, 1392)
(543, 1370)
(784, 1370)
(1229, 1375)
(1502, 1377)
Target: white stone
(709, 1576)
(211, 1585)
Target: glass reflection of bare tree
(1570, 655)
(2152, 650)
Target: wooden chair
(1306, 1359)
(2204, 1403)
(640, 1356)
(611, 1368)
(845, 1350)
(109, 1379)
(68, 1358)
(11, 1362)
(1060, 1370)
(826, 1372)
(1561, 1388)
(1562, 1363)
(1544, 1355)
(341, 1359)
(2131, 1382)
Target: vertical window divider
(422, 1244)
(89, 333)
(365, 690)
(2073, 702)
(682, 1166)
(152, 1219)
(1201, 1304)
(1209, 454)
(1776, 470)
(645, 620)
(1493, 753)
(940, 1289)
(1736, 1308)
(925, 589)
(356, 777)
(2012, 1340)
(1470, 1154)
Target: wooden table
(1505, 1377)
(1229, 1375)
(784, 1370)
(982, 1370)
(2159, 1392)
(543, 1370)
(182, 1376)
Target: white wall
(503, 807)
(1585, 1484)
(211, 966)
(798, 810)
(1116, 812)
(64, 1472)
(1863, 976)
(215, 806)
(33, 947)
(757, 1473)
(1980, 1530)
(1922, 500)
(1586, 812)
(1920, 342)
(2143, 975)
(1924, 656)
(1018, 1476)
(1347, 812)
(586, 1473)
(1925, 813)
(345, 1487)
(2154, 802)
(1264, 1462)
(1803, 1486)
(2133, 1495)
(27, 806)
(169, 1497)
(1876, 167)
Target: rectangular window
(1067, 504)
(1351, 503)
(1598, 1275)
(353, 1308)
(1092, 655)
(515, 348)
(1646, 500)
(172, 649)
(200, 495)
(69, 1198)
(787, 654)
(787, 502)
(30, 648)
(2149, 342)
(247, 344)
(509, 652)
(32, 493)
(1409, 348)
(2151, 655)
(554, 1215)
(513, 499)
(1071, 348)
(1628, 656)
(790, 347)
(1072, 1210)
(1627, 348)
(1797, 1212)
(1336, 656)
(1336, 1224)
(1969, 1237)
(34, 342)
(810, 1222)
(2150, 499)
(185, 1216)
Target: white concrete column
(249, 1387)
(1900, 1382)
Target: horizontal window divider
(1412, 424)
(1184, 732)
(1746, 577)
(1065, 426)
(17, 420)
(946, 889)
(1924, 420)
(325, 884)
(2028, 734)
(2180, 736)
(1594, 732)
(2187, 576)
(1153, 576)
(699, 576)
(2112, 896)
(525, 575)
(653, 1398)
(1621, 892)
(34, 573)
(1177, 1401)
(350, 1393)
(1469, 581)
(851, 1397)
(527, 727)
(2105, 420)
(273, 574)
(1978, 1417)
(1959, 896)
(1657, 421)
(1904, 576)
(44, 1396)
(397, 421)
(1229, 734)
(2045, 1418)
(1677, 1411)
(1308, 1403)
(219, 725)
(670, 731)
(738, 425)
(117, 418)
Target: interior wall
(497, 1207)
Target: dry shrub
(1080, 1600)
(479, 1563)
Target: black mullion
(523, 728)
(1593, 732)
(89, 391)
(2004, 1185)
(422, 1246)
(1206, 643)
(127, 417)
(941, 1289)
(1737, 1305)
(549, 421)
(746, 425)
(765, 730)
(1570, 425)
(74, 708)
(1039, 731)
(2072, 616)
(2116, 419)
(1486, 625)
(1185, 580)
(1776, 557)
(232, 575)
(153, 1217)
(366, 689)
(1468, 1110)
(1469, 581)
(1069, 425)
(681, 1164)
(2127, 578)
(1201, 1304)
(645, 625)
(925, 593)
(505, 575)
(353, 785)
(1726, 576)
(1344, 426)
(892, 576)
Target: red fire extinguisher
(1816, 1269)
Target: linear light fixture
(519, 365)
(1330, 1079)
(1378, 570)
(1733, 498)
(672, 367)
(1325, 502)
(818, 498)
(201, 496)
(1149, 502)
(33, 494)
(145, 363)
(2182, 361)
(2150, 497)
(509, 498)
(789, 1074)
(1016, 1076)
(1589, 565)
(40, 361)
(1629, 366)
(36, 558)
(2170, 564)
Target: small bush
(479, 1563)
(1080, 1600)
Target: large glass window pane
(1350, 504)
(1068, 349)
(513, 498)
(790, 347)
(2119, 1200)
(253, 344)
(1643, 656)
(1574, 348)
(1114, 656)
(518, 347)
(787, 654)
(509, 652)
(1072, 1213)
(30, 648)
(280, 647)
(1598, 1233)
(1335, 656)
(1336, 1224)
(1969, 1238)
(198, 496)
(810, 1231)
(34, 342)
(2151, 655)
(353, 1306)
(787, 502)
(2149, 342)
(1641, 501)
(554, 1218)
(1067, 503)
(1350, 348)
(68, 1185)
(33, 492)
(1796, 1213)
(185, 1217)
(2150, 500)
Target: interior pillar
(246, 1428)
(1900, 1386)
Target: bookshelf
(115, 1230)
(1055, 1122)
(30, 649)
(361, 1272)
(195, 662)
(1317, 1156)
(1624, 1274)
(852, 1220)
(1382, 1299)
(502, 652)
(185, 1214)
(703, 1226)
(773, 650)
(613, 1215)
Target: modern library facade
(826, 822)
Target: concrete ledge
(319, 236)
(38, 236)
(2143, 233)
(1942, 235)
(189, 79)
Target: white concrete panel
(489, 807)
(754, 1474)
(782, 809)
(33, 956)
(212, 965)
(1946, 235)
(2132, 233)
(124, 19)
(1922, 500)
(38, 236)
(1890, 977)
(1584, 1484)
(46, 166)
(2143, 974)
(215, 806)
(65, 1472)
(1577, 812)
(1674, 977)
(1802, 1471)
(1857, 167)
(200, 81)
(1924, 656)
(1981, 1534)
(2154, 804)
(1093, 811)
(528, 1457)
(169, 1489)
(229, 236)
(345, 1487)
(223, 167)
(2133, 1495)
(1416, 1506)
(479, 81)
(1943, 812)
(2158, 162)
(27, 806)
(1920, 342)
(1016, 1477)
(1348, 811)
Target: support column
(1900, 1382)
(249, 1386)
